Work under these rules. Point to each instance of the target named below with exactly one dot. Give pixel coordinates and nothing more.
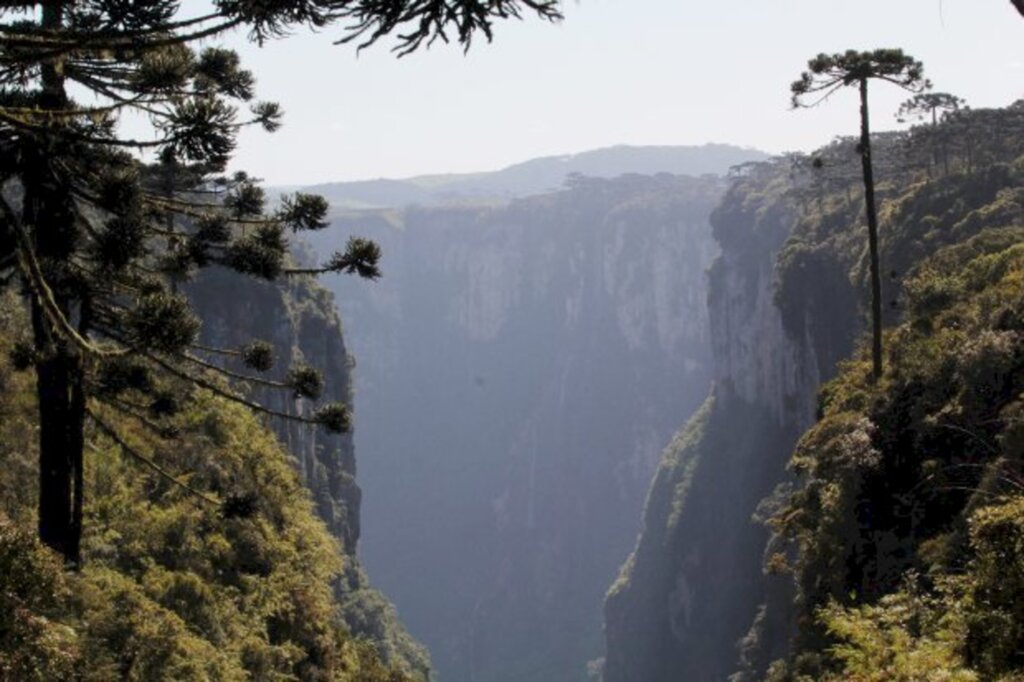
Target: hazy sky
(614, 72)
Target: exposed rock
(693, 586)
(520, 367)
(299, 319)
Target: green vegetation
(905, 531)
(300, 318)
(99, 243)
(898, 517)
(822, 269)
(173, 587)
(828, 73)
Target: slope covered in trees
(298, 320)
(174, 586)
(906, 522)
(906, 506)
(913, 477)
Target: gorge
(538, 354)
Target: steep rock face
(299, 319)
(691, 589)
(519, 368)
(786, 302)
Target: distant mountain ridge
(536, 176)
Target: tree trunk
(869, 200)
(61, 422)
(48, 213)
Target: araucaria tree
(929, 105)
(933, 106)
(825, 75)
(96, 242)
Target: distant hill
(535, 176)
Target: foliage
(927, 105)
(173, 587)
(99, 243)
(33, 645)
(965, 627)
(921, 471)
(825, 75)
(905, 637)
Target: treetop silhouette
(824, 76)
(99, 242)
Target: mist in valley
(515, 340)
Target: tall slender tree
(934, 106)
(98, 241)
(930, 105)
(825, 75)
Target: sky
(638, 72)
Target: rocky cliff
(786, 304)
(692, 587)
(299, 319)
(518, 368)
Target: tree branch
(41, 289)
(135, 454)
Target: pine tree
(934, 106)
(825, 75)
(98, 242)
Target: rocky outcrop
(519, 368)
(691, 589)
(299, 319)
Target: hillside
(536, 176)
(884, 485)
(299, 319)
(233, 583)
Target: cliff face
(519, 368)
(691, 589)
(299, 319)
(785, 306)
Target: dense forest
(889, 502)
(636, 414)
(175, 586)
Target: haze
(640, 72)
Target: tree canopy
(928, 105)
(825, 75)
(99, 241)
